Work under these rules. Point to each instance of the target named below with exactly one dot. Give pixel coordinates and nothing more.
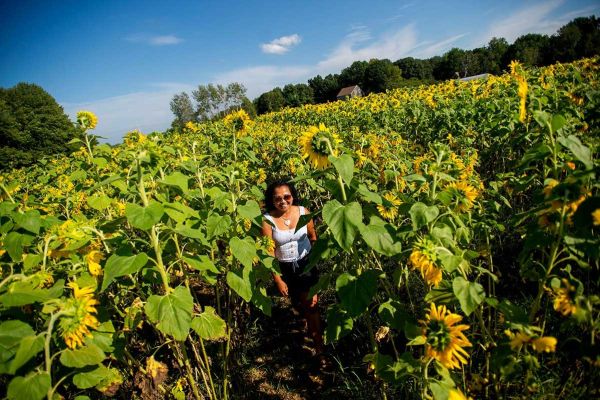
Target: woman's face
(282, 198)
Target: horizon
(124, 62)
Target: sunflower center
(238, 124)
(438, 335)
(321, 142)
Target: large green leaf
(28, 348)
(177, 179)
(21, 293)
(172, 313)
(378, 237)
(30, 221)
(122, 265)
(243, 250)
(339, 324)
(180, 212)
(99, 202)
(356, 292)
(216, 225)
(201, 263)
(86, 380)
(422, 214)
(469, 294)
(393, 314)
(11, 333)
(77, 358)
(579, 150)
(250, 210)
(209, 325)
(34, 386)
(241, 283)
(14, 242)
(144, 217)
(344, 165)
(262, 301)
(343, 221)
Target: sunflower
(596, 217)
(423, 258)
(389, 208)
(546, 344)
(87, 119)
(563, 298)
(78, 319)
(134, 137)
(457, 394)
(463, 195)
(239, 120)
(317, 144)
(444, 339)
(522, 92)
(93, 259)
(540, 344)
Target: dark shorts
(298, 280)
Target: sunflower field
(458, 247)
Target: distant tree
(297, 95)
(579, 38)
(182, 107)
(413, 68)
(354, 74)
(270, 101)
(212, 101)
(381, 75)
(32, 125)
(325, 89)
(494, 60)
(531, 49)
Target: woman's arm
(267, 230)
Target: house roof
(347, 90)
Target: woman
(292, 249)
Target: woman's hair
(271, 189)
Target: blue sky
(124, 60)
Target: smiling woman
(292, 248)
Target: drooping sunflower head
(87, 119)
(317, 144)
(564, 297)
(423, 258)
(389, 208)
(134, 137)
(444, 339)
(462, 195)
(239, 120)
(93, 259)
(75, 325)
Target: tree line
(577, 39)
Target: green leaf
(367, 195)
(356, 292)
(99, 202)
(344, 165)
(28, 348)
(11, 333)
(180, 212)
(172, 313)
(13, 242)
(243, 250)
(393, 314)
(21, 293)
(122, 265)
(578, 149)
(86, 380)
(469, 294)
(344, 221)
(30, 221)
(216, 225)
(250, 210)
(144, 217)
(77, 358)
(421, 214)
(377, 237)
(209, 325)
(34, 386)
(177, 179)
(100, 162)
(201, 263)
(262, 301)
(558, 121)
(241, 284)
(339, 324)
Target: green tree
(32, 125)
(182, 107)
(494, 60)
(579, 38)
(530, 49)
(414, 68)
(381, 75)
(354, 74)
(213, 101)
(297, 95)
(324, 89)
(270, 101)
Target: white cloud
(532, 19)
(154, 40)
(147, 111)
(281, 45)
(437, 48)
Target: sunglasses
(286, 197)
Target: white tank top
(290, 246)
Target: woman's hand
(281, 286)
